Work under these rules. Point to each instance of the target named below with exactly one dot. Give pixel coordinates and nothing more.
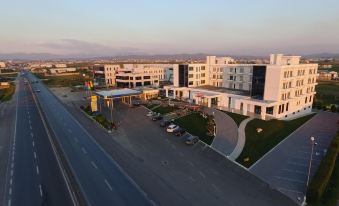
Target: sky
(113, 27)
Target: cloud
(73, 46)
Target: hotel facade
(282, 89)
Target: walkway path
(227, 132)
(241, 139)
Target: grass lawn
(274, 131)
(196, 125)
(6, 94)
(150, 106)
(331, 193)
(165, 109)
(238, 118)
(327, 92)
(63, 81)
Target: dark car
(180, 132)
(164, 123)
(156, 118)
(191, 140)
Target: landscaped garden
(198, 125)
(165, 109)
(272, 132)
(238, 118)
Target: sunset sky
(111, 27)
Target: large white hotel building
(282, 89)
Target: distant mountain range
(198, 56)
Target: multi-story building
(2, 65)
(131, 75)
(282, 89)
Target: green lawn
(238, 118)
(196, 125)
(327, 93)
(274, 131)
(150, 106)
(6, 94)
(63, 81)
(165, 109)
(331, 193)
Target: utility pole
(309, 169)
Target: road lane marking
(94, 165)
(37, 170)
(192, 179)
(33, 143)
(32, 135)
(12, 165)
(30, 127)
(290, 179)
(215, 187)
(11, 173)
(34, 155)
(76, 139)
(295, 171)
(83, 150)
(40, 190)
(108, 185)
(202, 174)
(11, 181)
(190, 163)
(10, 191)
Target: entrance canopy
(117, 93)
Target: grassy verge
(273, 132)
(165, 109)
(327, 93)
(150, 106)
(323, 188)
(238, 118)
(99, 118)
(197, 125)
(6, 94)
(63, 81)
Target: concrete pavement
(285, 167)
(172, 173)
(241, 139)
(226, 137)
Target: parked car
(179, 132)
(164, 123)
(157, 117)
(191, 140)
(172, 128)
(38, 90)
(150, 114)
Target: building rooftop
(117, 93)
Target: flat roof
(118, 93)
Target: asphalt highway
(100, 179)
(33, 174)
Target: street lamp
(309, 168)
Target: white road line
(34, 155)
(76, 139)
(37, 170)
(30, 127)
(295, 171)
(32, 135)
(298, 164)
(190, 163)
(11, 181)
(83, 150)
(289, 190)
(40, 190)
(290, 179)
(9, 202)
(202, 174)
(108, 185)
(216, 188)
(11, 173)
(33, 143)
(192, 179)
(12, 165)
(94, 165)
(29, 121)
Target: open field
(63, 81)
(327, 92)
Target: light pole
(309, 169)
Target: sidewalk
(226, 137)
(241, 139)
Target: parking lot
(171, 172)
(286, 166)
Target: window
(241, 70)
(202, 82)
(203, 68)
(137, 78)
(147, 77)
(269, 110)
(287, 107)
(190, 76)
(231, 77)
(202, 75)
(190, 83)
(190, 68)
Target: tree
(333, 108)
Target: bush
(333, 108)
(321, 178)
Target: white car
(149, 114)
(171, 128)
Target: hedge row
(321, 178)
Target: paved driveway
(286, 166)
(226, 137)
